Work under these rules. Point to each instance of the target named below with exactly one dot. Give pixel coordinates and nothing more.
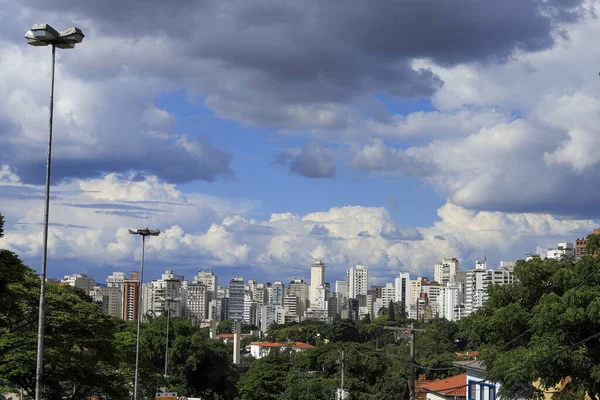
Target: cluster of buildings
(452, 294)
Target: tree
(592, 244)
(541, 328)
(391, 311)
(266, 378)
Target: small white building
(263, 349)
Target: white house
(262, 349)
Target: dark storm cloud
(319, 230)
(285, 64)
(312, 161)
(266, 55)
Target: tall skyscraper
(358, 281)
(131, 288)
(116, 280)
(236, 299)
(445, 271)
(341, 290)
(317, 278)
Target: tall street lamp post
(168, 303)
(44, 35)
(143, 232)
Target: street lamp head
(44, 34)
(144, 232)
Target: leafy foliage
(538, 328)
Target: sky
(261, 135)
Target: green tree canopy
(540, 328)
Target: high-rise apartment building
(161, 291)
(236, 299)
(415, 289)
(388, 293)
(445, 271)
(403, 290)
(562, 250)
(277, 293)
(358, 281)
(81, 281)
(341, 290)
(116, 279)
(317, 278)
(110, 300)
(208, 279)
(196, 298)
(299, 289)
(131, 292)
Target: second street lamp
(143, 232)
(45, 35)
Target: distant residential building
(388, 293)
(317, 278)
(131, 292)
(251, 311)
(116, 279)
(81, 281)
(236, 299)
(278, 293)
(196, 298)
(445, 271)
(434, 294)
(299, 288)
(263, 349)
(562, 249)
(580, 245)
(291, 304)
(159, 292)
(358, 281)
(341, 289)
(353, 309)
(208, 279)
(322, 297)
(415, 289)
(403, 290)
(110, 300)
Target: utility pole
(399, 333)
(341, 395)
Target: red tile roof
(467, 354)
(225, 335)
(266, 344)
(301, 345)
(454, 386)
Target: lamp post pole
(44, 35)
(143, 232)
(167, 341)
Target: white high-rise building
(358, 281)
(451, 301)
(251, 311)
(434, 295)
(403, 288)
(317, 278)
(116, 279)
(322, 297)
(81, 281)
(210, 280)
(388, 293)
(341, 290)
(445, 271)
(160, 292)
(196, 300)
(474, 289)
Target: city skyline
(255, 156)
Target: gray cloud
(319, 230)
(269, 63)
(402, 234)
(312, 161)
